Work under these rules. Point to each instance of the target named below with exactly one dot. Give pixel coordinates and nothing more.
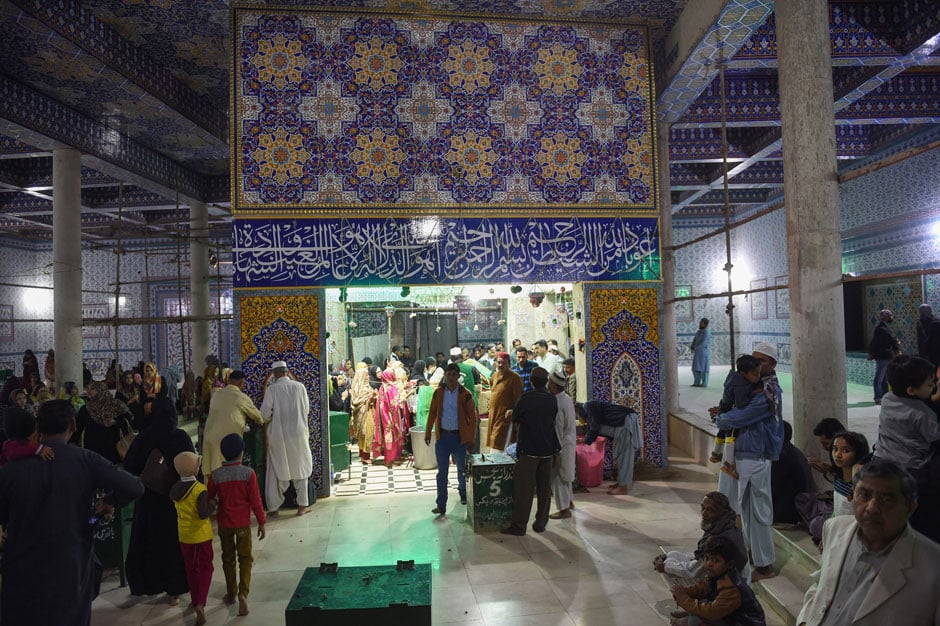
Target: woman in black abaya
(154, 561)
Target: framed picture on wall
(759, 300)
(782, 298)
(783, 353)
(684, 312)
(6, 322)
(96, 311)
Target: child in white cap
(193, 508)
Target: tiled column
(817, 327)
(670, 342)
(199, 284)
(67, 264)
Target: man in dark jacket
(884, 346)
(536, 448)
(48, 509)
(620, 424)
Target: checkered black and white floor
(362, 479)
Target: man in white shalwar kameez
(284, 409)
(566, 430)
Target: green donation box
(489, 490)
(366, 596)
(339, 440)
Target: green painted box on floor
(339, 440)
(386, 594)
(489, 490)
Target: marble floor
(592, 569)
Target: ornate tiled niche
(624, 352)
(287, 327)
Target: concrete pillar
(199, 284)
(67, 264)
(817, 325)
(670, 341)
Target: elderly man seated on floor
(718, 520)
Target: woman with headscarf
(130, 393)
(389, 436)
(154, 561)
(152, 385)
(102, 422)
(362, 404)
(210, 380)
(189, 395)
(40, 394)
(49, 370)
(111, 376)
(27, 381)
(69, 391)
(340, 399)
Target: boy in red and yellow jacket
(236, 487)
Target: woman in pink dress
(389, 436)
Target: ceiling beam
(707, 32)
(77, 24)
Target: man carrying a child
(758, 427)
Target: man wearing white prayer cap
(285, 409)
(759, 440)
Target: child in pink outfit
(20, 427)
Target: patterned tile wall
(758, 253)
(34, 267)
(883, 231)
(859, 370)
(281, 326)
(333, 109)
(624, 351)
(873, 198)
(894, 231)
(902, 297)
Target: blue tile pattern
(738, 20)
(21, 105)
(87, 64)
(339, 110)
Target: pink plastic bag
(589, 462)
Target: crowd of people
(877, 525)
(385, 401)
(879, 519)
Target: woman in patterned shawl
(389, 437)
(363, 410)
(102, 422)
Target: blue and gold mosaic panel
(276, 327)
(625, 357)
(435, 250)
(338, 110)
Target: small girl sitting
(850, 450)
(721, 598)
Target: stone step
(799, 546)
(797, 559)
